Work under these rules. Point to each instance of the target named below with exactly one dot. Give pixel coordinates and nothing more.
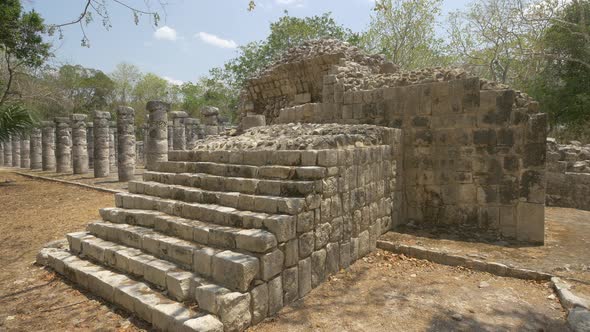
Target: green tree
(404, 31)
(563, 87)
(491, 39)
(86, 88)
(209, 91)
(21, 44)
(14, 119)
(125, 76)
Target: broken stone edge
(578, 317)
(495, 268)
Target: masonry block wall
(568, 175)
(473, 157)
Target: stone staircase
(206, 243)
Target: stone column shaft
(170, 136)
(112, 145)
(179, 130)
(101, 144)
(157, 142)
(79, 144)
(145, 139)
(8, 152)
(90, 143)
(35, 149)
(126, 143)
(63, 145)
(48, 145)
(25, 151)
(192, 132)
(15, 151)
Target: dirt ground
(382, 292)
(33, 213)
(565, 253)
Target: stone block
(235, 270)
(202, 259)
(322, 235)
(178, 284)
(364, 246)
(208, 297)
(291, 251)
(305, 222)
(275, 172)
(332, 258)
(290, 285)
(255, 240)
(345, 255)
(275, 295)
(318, 267)
(306, 244)
(234, 311)
(156, 271)
(271, 264)
(259, 303)
(328, 158)
(530, 223)
(304, 276)
(206, 323)
(170, 316)
(282, 226)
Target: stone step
(309, 173)
(134, 296)
(284, 188)
(256, 157)
(179, 284)
(257, 203)
(163, 275)
(251, 240)
(234, 270)
(283, 227)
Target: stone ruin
(221, 236)
(568, 175)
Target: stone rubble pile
(568, 174)
(574, 156)
(320, 47)
(296, 137)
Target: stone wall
(568, 175)
(474, 152)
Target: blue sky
(193, 36)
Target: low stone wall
(568, 175)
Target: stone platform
(220, 240)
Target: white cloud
(173, 81)
(216, 41)
(295, 3)
(165, 33)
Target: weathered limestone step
(257, 203)
(162, 274)
(244, 171)
(284, 188)
(181, 285)
(134, 296)
(252, 240)
(234, 270)
(283, 227)
(254, 157)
